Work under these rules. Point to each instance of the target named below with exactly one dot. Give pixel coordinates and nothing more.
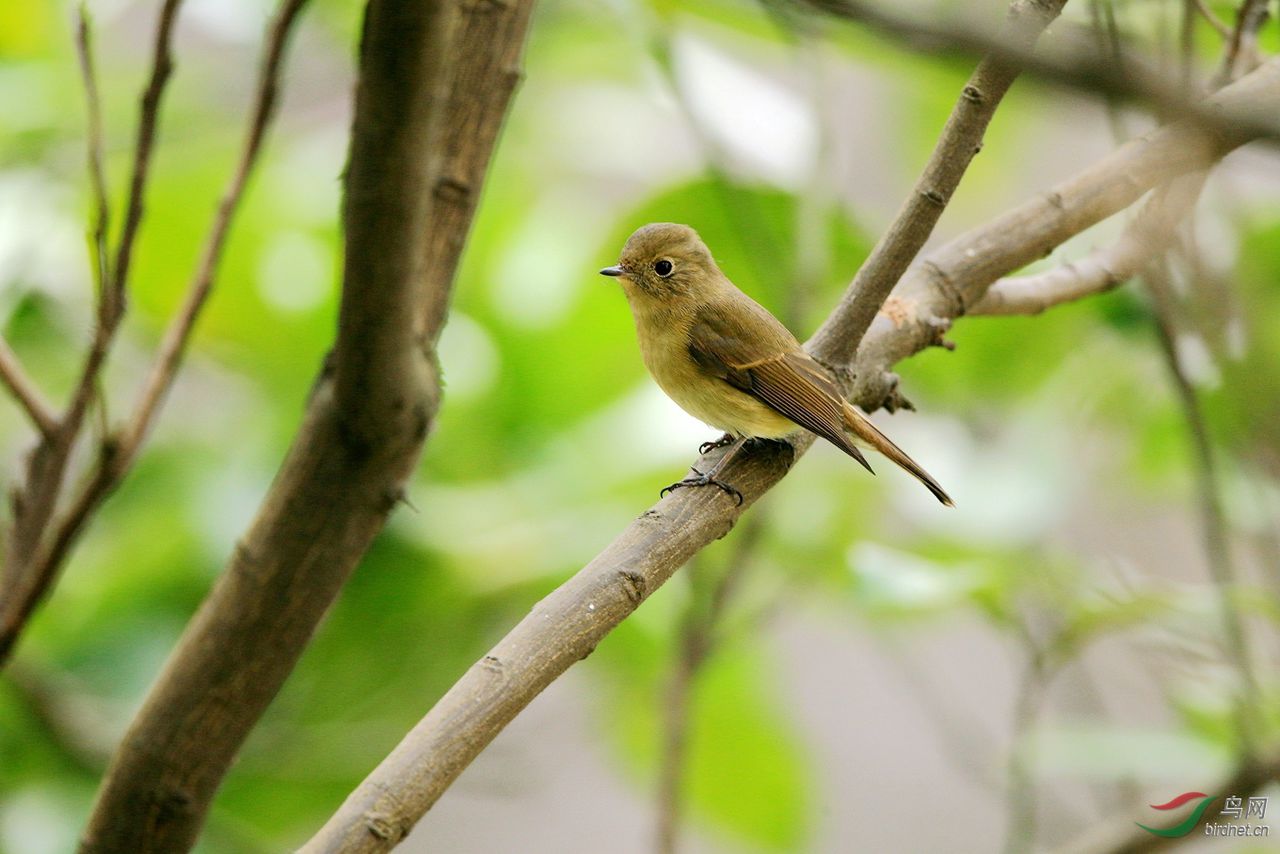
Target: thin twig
(1133, 81)
(95, 144)
(35, 499)
(1217, 541)
(960, 140)
(1149, 234)
(25, 392)
(111, 302)
(1214, 21)
(118, 451)
(1242, 48)
(695, 642)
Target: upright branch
(120, 449)
(711, 592)
(566, 626)
(1215, 531)
(94, 147)
(961, 139)
(35, 498)
(369, 414)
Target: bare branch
(368, 417)
(119, 451)
(97, 174)
(961, 139)
(1214, 21)
(566, 626)
(1242, 48)
(1150, 233)
(1217, 540)
(1132, 80)
(694, 644)
(24, 391)
(35, 499)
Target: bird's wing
(787, 379)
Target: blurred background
(853, 668)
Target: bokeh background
(882, 675)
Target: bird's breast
(665, 350)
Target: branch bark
(961, 139)
(1082, 67)
(1150, 233)
(568, 624)
(25, 392)
(360, 437)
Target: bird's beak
(613, 271)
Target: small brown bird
(727, 361)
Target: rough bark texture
(566, 626)
(358, 442)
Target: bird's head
(665, 260)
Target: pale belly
(712, 400)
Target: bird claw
(724, 440)
(703, 480)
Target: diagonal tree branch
(961, 139)
(568, 624)
(25, 392)
(1083, 67)
(1150, 233)
(365, 424)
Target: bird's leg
(710, 477)
(726, 439)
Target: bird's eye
(662, 267)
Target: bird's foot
(701, 479)
(724, 440)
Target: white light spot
(468, 357)
(295, 272)
(750, 114)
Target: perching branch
(566, 625)
(1150, 233)
(372, 407)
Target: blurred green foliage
(551, 438)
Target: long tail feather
(862, 428)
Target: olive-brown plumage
(726, 360)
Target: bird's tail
(863, 429)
